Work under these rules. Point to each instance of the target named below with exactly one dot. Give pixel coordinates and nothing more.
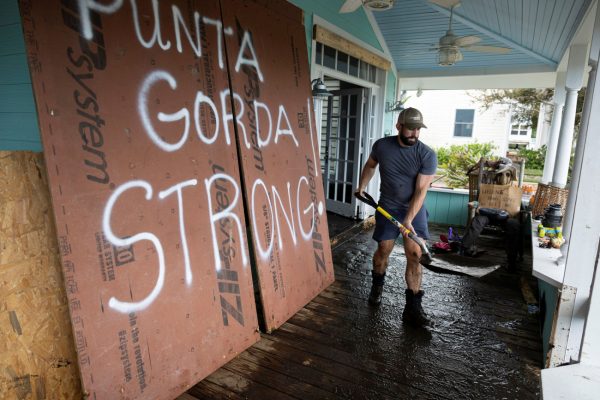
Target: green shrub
(455, 161)
(534, 159)
(443, 156)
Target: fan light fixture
(319, 90)
(449, 55)
(378, 5)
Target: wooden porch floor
(485, 345)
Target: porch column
(579, 148)
(557, 113)
(574, 80)
(540, 126)
(582, 220)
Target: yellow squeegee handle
(366, 198)
(402, 228)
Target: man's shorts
(386, 230)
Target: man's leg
(414, 271)
(380, 264)
(512, 232)
(474, 230)
(413, 311)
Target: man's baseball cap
(411, 118)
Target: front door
(342, 146)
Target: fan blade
(467, 40)
(446, 3)
(350, 6)
(488, 49)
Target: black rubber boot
(376, 288)
(413, 313)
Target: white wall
(439, 110)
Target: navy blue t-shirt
(399, 167)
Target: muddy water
(484, 343)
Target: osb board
(279, 152)
(146, 192)
(37, 356)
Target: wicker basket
(546, 195)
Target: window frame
(456, 123)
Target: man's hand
(359, 191)
(408, 225)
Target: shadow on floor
(485, 344)
(338, 224)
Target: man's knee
(412, 251)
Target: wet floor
(485, 344)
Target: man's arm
(416, 202)
(365, 176)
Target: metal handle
(366, 198)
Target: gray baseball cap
(411, 118)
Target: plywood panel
(146, 192)
(278, 144)
(37, 356)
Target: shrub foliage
(534, 159)
(455, 161)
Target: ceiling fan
(375, 5)
(449, 46)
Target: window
(463, 123)
(329, 59)
(519, 128)
(336, 59)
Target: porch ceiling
(538, 32)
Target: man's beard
(408, 141)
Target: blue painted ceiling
(538, 33)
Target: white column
(577, 162)
(574, 80)
(583, 132)
(536, 143)
(585, 228)
(565, 140)
(557, 113)
(583, 221)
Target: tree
(525, 103)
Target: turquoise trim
(19, 128)
(308, 23)
(356, 23)
(389, 122)
(10, 12)
(447, 207)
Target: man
(406, 166)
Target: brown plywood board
(37, 356)
(278, 145)
(145, 188)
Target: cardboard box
(505, 197)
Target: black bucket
(552, 216)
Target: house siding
(439, 110)
(448, 207)
(356, 23)
(18, 120)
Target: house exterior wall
(439, 112)
(18, 120)
(358, 25)
(355, 23)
